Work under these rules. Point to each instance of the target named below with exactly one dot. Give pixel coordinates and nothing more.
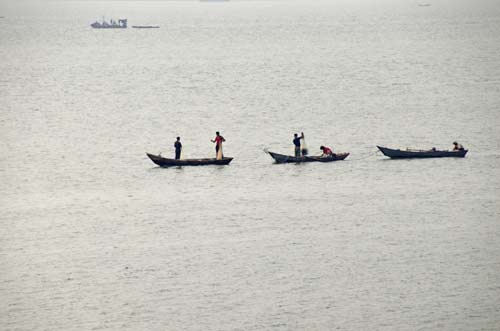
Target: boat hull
(166, 162)
(108, 27)
(281, 158)
(409, 154)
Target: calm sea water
(93, 236)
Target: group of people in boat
(218, 140)
(300, 149)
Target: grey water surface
(94, 236)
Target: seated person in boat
(178, 148)
(218, 142)
(327, 151)
(457, 146)
(296, 142)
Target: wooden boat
(280, 158)
(165, 162)
(412, 153)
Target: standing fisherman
(296, 142)
(218, 145)
(178, 148)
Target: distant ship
(121, 24)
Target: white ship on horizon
(112, 24)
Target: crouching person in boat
(178, 148)
(457, 146)
(327, 151)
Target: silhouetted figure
(178, 148)
(296, 142)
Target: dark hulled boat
(281, 158)
(165, 162)
(411, 153)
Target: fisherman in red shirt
(326, 151)
(218, 142)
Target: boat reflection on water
(145, 26)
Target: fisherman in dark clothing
(178, 148)
(296, 142)
(457, 146)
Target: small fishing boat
(280, 158)
(415, 153)
(165, 162)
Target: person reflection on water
(178, 148)
(218, 142)
(296, 142)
